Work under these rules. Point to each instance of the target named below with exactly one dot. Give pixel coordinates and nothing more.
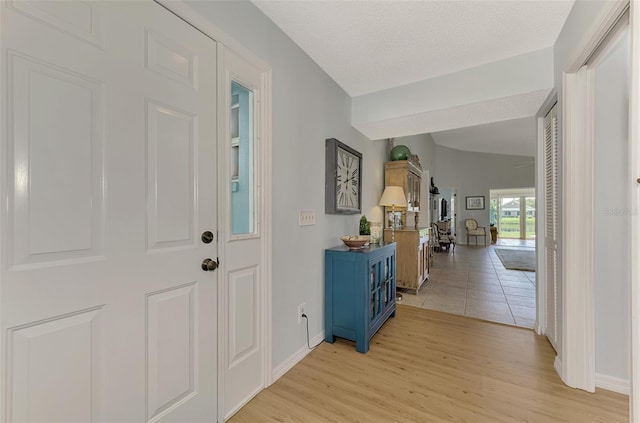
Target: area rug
(517, 259)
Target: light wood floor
(428, 366)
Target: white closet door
(551, 223)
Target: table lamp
(391, 197)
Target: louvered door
(551, 223)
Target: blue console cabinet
(360, 291)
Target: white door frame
(541, 281)
(634, 168)
(577, 356)
(577, 352)
(225, 41)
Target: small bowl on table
(355, 242)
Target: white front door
(108, 181)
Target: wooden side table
(494, 234)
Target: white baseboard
(537, 328)
(295, 358)
(612, 383)
(557, 364)
(243, 402)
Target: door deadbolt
(207, 237)
(209, 265)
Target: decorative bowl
(355, 242)
(400, 152)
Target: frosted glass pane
(242, 163)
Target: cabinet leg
(329, 338)
(362, 347)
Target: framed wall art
(475, 202)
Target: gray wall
(308, 107)
(612, 281)
(474, 174)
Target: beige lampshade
(393, 196)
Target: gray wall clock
(343, 178)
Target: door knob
(207, 237)
(209, 265)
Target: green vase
(400, 152)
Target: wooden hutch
(413, 252)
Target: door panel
(171, 59)
(79, 19)
(243, 322)
(171, 348)
(170, 177)
(63, 351)
(244, 292)
(73, 162)
(105, 313)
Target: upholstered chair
(444, 240)
(474, 230)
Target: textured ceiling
(516, 137)
(367, 46)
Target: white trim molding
(614, 384)
(597, 33)
(578, 324)
(541, 281)
(267, 219)
(204, 25)
(634, 167)
(241, 404)
(557, 364)
(295, 358)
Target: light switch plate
(307, 217)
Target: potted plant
(365, 228)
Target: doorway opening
(513, 213)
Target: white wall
(507, 89)
(612, 213)
(474, 174)
(515, 75)
(308, 107)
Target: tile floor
(473, 282)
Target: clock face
(347, 180)
(343, 173)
